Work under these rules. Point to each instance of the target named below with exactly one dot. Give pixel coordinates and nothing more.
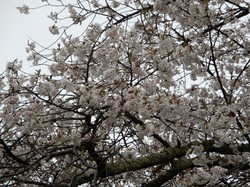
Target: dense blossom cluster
(151, 93)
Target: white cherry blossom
(150, 93)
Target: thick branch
(137, 163)
(177, 167)
(166, 156)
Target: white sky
(17, 29)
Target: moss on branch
(144, 162)
(173, 155)
(177, 167)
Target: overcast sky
(17, 29)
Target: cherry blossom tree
(132, 93)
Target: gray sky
(16, 29)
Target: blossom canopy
(132, 93)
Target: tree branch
(243, 12)
(177, 167)
(136, 163)
(166, 156)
